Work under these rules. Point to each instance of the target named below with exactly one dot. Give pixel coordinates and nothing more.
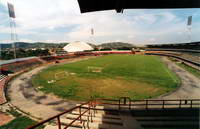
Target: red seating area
(49, 58)
(78, 54)
(60, 57)
(2, 87)
(113, 52)
(96, 53)
(20, 65)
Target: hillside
(26, 45)
(116, 45)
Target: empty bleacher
(20, 65)
(183, 46)
(168, 118)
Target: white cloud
(60, 20)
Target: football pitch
(111, 76)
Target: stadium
(105, 86)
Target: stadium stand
(113, 52)
(195, 57)
(58, 57)
(3, 82)
(184, 46)
(189, 53)
(13, 67)
(20, 65)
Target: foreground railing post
(180, 104)
(191, 104)
(119, 104)
(59, 124)
(163, 104)
(147, 104)
(80, 114)
(124, 101)
(90, 113)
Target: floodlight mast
(189, 27)
(92, 35)
(14, 36)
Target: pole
(15, 37)
(189, 27)
(12, 16)
(12, 36)
(190, 33)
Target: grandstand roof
(77, 47)
(119, 5)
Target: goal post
(94, 69)
(61, 75)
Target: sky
(61, 21)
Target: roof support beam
(119, 5)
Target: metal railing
(151, 103)
(89, 104)
(166, 103)
(122, 103)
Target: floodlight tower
(14, 36)
(92, 35)
(189, 28)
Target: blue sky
(61, 21)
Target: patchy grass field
(135, 76)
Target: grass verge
(21, 122)
(194, 71)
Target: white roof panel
(77, 47)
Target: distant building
(78, 47)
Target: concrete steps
(169, 123)
(2, 77)
(101, 120)
(99, 115)
(135, 119)
(166, 118)
(56, 127)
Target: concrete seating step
(171, 128)
(102, 126)
(92, 125)
(169, 124)
(166, 118)
(77, 123)
(101, 107)
(56, 127)
(99, 112)
(96, 119)
(99, 115)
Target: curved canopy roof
(77, 47)
(119, 5)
